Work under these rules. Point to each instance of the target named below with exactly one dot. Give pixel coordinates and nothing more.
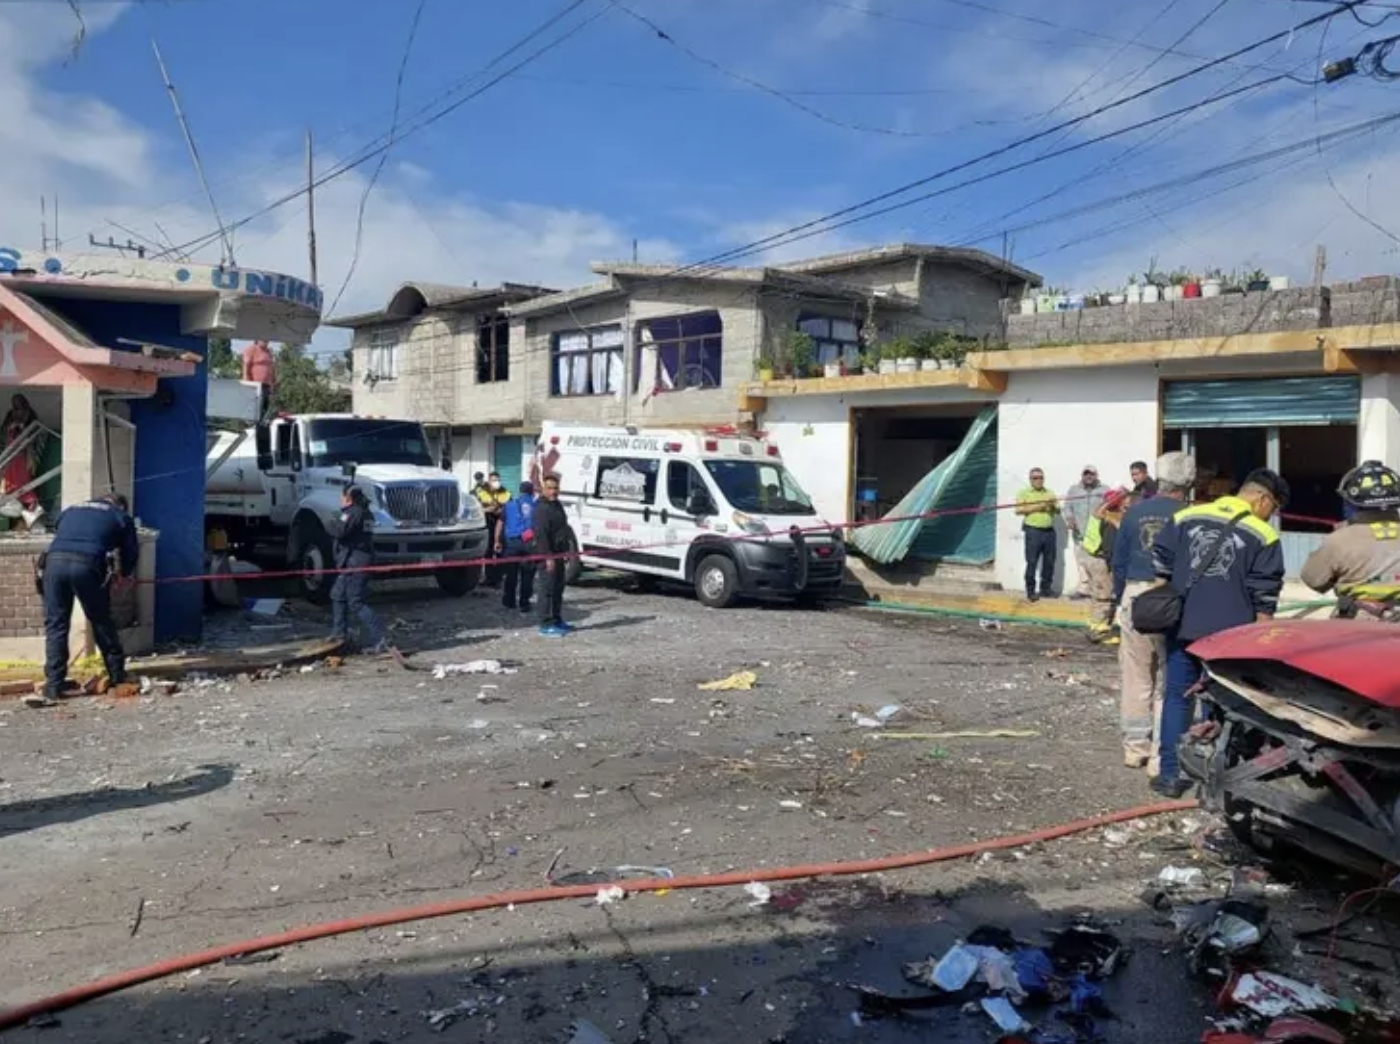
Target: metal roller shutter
(1281, 401)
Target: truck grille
(440, 502)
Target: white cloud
(111, 173)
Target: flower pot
(907, 365)
(1210, 287)
(1191, 291)
(930, 364)
(1117, 299)
(1278, 282)
(1172, 293)
(1028, 306)
(888, 366)
(765, 373)
(1257, 286)
(1151, 294)
(1133, 294)
(832, 370)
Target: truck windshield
(759, 488)
(360, 440)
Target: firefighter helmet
(1371, 486)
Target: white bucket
(1210, 287)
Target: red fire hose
(188, 962)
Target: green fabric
(1042, 498)
(1093, 535)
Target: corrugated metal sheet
(966, 478)
(1257, 403)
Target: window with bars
(384, 354)
(680, 352)
(587, 362)
(833, 340)
(492, 349)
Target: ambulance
(714, 509)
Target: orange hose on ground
(175, 965)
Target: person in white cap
(1082, 500)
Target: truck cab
(287, 488)
(715, 509)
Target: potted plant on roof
(1132, 292)
(1191, 289)
(926, 345)
(763, 369)
(1027, 305)
(1255, 281)
(1152, 283)
(1233, 283)
(1213, 283)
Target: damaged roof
(621, 273)
(967, 256)
(414, 298)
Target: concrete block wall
(1366, 302)
(21, 608)
(1271, 311)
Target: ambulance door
(687, 508)
(624, 529)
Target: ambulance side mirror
(699, 504)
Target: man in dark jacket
(1225, 560)
(76, 567)
(1142, 657)
(354, 551)
(552, 537)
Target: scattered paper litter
(880, 717)
(444, 670)
(759, 892)
(611, 894)
(742, 681)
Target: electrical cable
(20, 1015)
(383, 156)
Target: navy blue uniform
(1132, 552)
(518, 541)
(354, 550)
(76, 568)
(552, 538)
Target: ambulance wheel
(313, 557)
(573, 565)
(717, 582)
(457, 581)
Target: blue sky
(617, 135)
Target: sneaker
(1171, 788)
(551, 631)
(566, 628)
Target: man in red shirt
(258, 364)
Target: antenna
(44, 224)
(120, 248)
(311, 206)
(194, 156)
(57, 242)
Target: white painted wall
(1060, 421)
(814, 434)
(1379, 434)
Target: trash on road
(611, 874)
(1182, 877)
(584, 1032)
(879, 718)
(740, 681)
(447, 670)
(1271, 995)
(440, 1018)
(611, 894)
(1007, 1018)
(1084, 950)
(759, 892)
(965, 734)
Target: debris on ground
(611, 875)
(440, 1018)
(879, 718)
(1272, 996)
(965, 734)
(1007, 1018)
(759, 892)
(1182, 877)
(740, 681)
(447, 670)
(584, 1032)
(611, 894)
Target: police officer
(354, 551)
(493, 499)
(1365, 551)
(76, 567)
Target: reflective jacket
(1365, 551)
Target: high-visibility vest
(1093, 536)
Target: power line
(383, 156)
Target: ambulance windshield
(759, 488)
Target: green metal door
(506, 460)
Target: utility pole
(1319, 265)
(311, 206)
(194, 156)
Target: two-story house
(650, 345)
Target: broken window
(384, 355)
(833, 340)
(680, 352)
(587, 362)
(492, 349)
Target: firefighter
(1099, 535)
(77, 566)
(1362, 556)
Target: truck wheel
(458, 581)
(313, 558)
(717, 582)
(573, 565)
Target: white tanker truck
(280, 481)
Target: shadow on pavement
(654, 968)
(22, 816)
